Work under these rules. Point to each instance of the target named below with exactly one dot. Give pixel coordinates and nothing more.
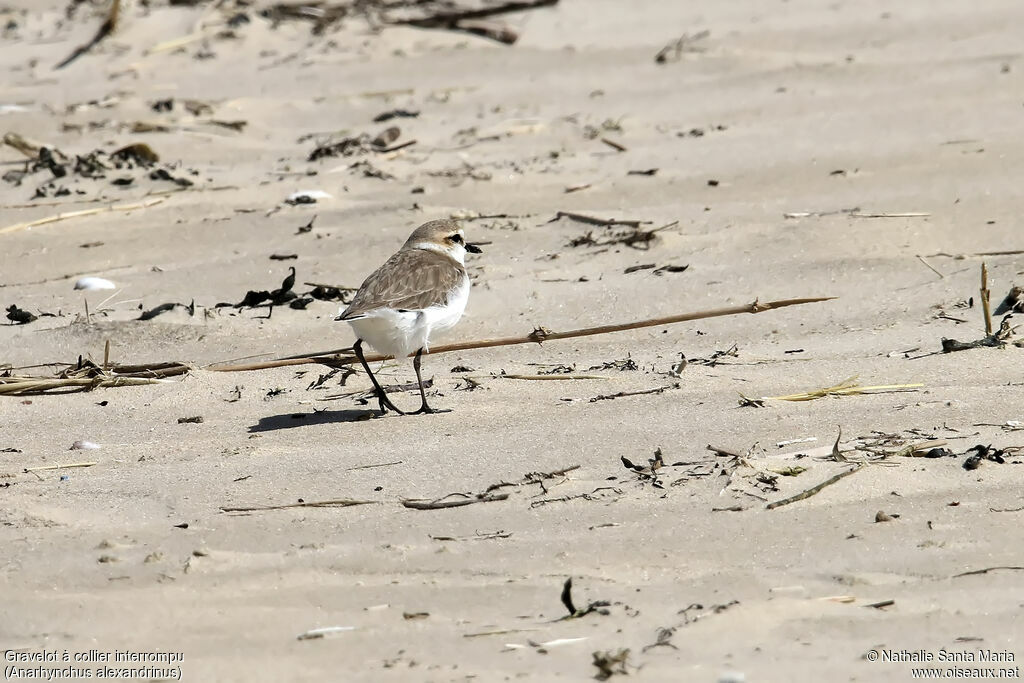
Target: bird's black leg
(382, 396)
(423, 394)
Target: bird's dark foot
(427, 410)
(385, 405)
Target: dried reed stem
(537, 336)
(69, 465)
(78, 214)
(986, 296)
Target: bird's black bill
(473, 249)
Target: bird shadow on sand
(292, 420)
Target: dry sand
(805, 106)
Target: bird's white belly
(402, 333)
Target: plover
(421, 290)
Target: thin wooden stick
(985, 299)
(449, 502)
(43, 468)
(986, 570)
(539, 377)
(109, 26)
(929, 266)
(614, 145)
(814, 489)
(78, 214)
(339, 503)
(903, 214)
(42, 385)
(538, 336)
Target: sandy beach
(619, 161)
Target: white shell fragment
(311, 194)
(84, 446)
(324, 632)
(92, 283)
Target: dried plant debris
(360, 144)
(647, 473)
(19, 316)
(364, 396)
(86, 376)
(322, 292)
(600, 493)
(695, 612)
(642, 392)
(475, 18)
(598, 606)
(803, 495)
(452, 500)
(997, 339)
(535, 478)
(193, 107)
(982, 453)
(165, 308)
(395, 114)
(674, 51)
(592, 220)
(281, 295)
(461, 174)
(49, 165)
(622, 365)
(716, 357)
(368, 170)
(848, 387)
(662, 639)
(109, 25)
(609, 663)
(336, 503)
(635, 237)
(1013, 303)
(320, 14)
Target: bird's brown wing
(412, 279)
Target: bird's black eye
(457, 238)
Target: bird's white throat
(456, 252)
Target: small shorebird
(420, 290)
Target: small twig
(499, 632)
(367, 467)
(395, 148)
(109, 26)
(591, 220)
(814, 489)
(986, 570)
(929, 266)
(449, 19)
(1009, 252)
(339, 503)
(84, 212)
(489, 536)
(539, 377)
(534, 478)
(905, 214)
(621, 394)
(986, 299)
(44, 468)
(441, 503)
(614, 145)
